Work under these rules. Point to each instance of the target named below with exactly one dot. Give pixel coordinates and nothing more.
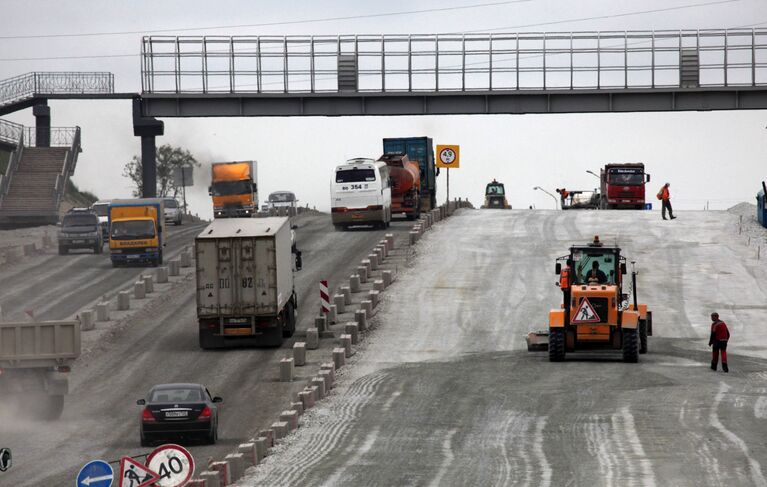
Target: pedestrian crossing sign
(586, 313)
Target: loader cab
(594, 264)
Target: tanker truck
(405, 176)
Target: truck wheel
(212, 437)
(208, 341)
(290, 315)
(642, 336)
(159, 259)
(556, 345)
(339, 228)
(630, 346)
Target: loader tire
(630, 346)
(642, 336)
(556, 345)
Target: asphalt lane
(160, 345)
(443, 392)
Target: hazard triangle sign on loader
(586, 313)
(133, 474)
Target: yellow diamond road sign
(448, 156)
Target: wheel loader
(595, 312)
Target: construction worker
(718, 340)
(665, 198)
(595, 275)
(563, 194)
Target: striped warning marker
(324, 297)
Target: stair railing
(70, 160)
(13, 161)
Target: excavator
(595, 312)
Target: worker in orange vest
(665, 198)
(720, 335)
(563, 194)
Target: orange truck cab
(136, 231)
(596, 312)
(234, 189)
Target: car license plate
(78, 241)
(176, 414)
(357, 215)
(237, 331)
(134, 256)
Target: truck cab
(623, 186)
(136, 231)
(234, 189)
(495, 196)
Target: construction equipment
(495, 196)
(623, 186)
(581, 200)
(595, 312)
(405, 177)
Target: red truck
(623, 186)
(405, 185)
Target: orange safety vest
(564, 278)
(663, 194)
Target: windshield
(125, 230)
(280, 197)
(181, 394)
(494, 189)
(586, 272)
(101, 210)
(226, 188)
(80, 221)
(355, 175)
(626, 177)
(170, 203)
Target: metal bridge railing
(454, 62)
(51, 83)
(59, 136)
(10, 133)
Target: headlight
(116, 251)
(151, 249)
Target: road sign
(96, 473)
(586, 313)
(183, 176)
(448, 156)
(173, 463)
(133, 474)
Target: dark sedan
(179, 411)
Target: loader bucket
(537, 341)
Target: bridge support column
(147, 128)
(42, 113)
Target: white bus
(360, 194)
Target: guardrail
(70, 161)
(59, 136)
(51, 83)
(454, 62)
(15, 157)
(10, 132)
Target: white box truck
(245, 291)
(35, 360)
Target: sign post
(183, 176)
(448, 156)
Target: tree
(168, 158)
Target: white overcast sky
(714, 156)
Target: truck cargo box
(244, 267)
(43, 344)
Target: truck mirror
(141, 402)
(558, 268)
(648, 177)
(218, 399)
(623, 268)
(255, 188)
(210, 190)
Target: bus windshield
(355, 175)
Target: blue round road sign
(96, 473)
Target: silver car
(173, 212)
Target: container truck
(234, 189)
(35, 360)
(245, 290)
(420, 150)
(136, 231)
(405, 178)
(623, 186)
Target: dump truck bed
(42, 344)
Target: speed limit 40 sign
(448, 156)
(173, 463)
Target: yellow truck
(136, 231)
(234, 189)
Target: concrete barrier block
(236, 466)
(174, 268)
(374, 297)
(329, 367)
(339, 357)
(298, 407)
(102, 312)
(87, 320)
(347, 292)
(352, 329)
(280, 429)
(196, 483)
(332, 314)
(186, 259)
(307, 398)
(210, 478)
(367, 305)
(378, 285)
(299, 354)
(123, 300)
(148, 283)
(290, 417)
(321, 323)
(315, 392)
(249, 455)
(319, 383)
(362, 272)
(329, 378)
(346, 342)
(354, 284)
(222, 468)
(268, 436)
(413, 237)
(139, 290)
(47, 241)
(340, 302)
(161, 275)
(360, 316)
(368, 266)
(29, 249)
(286, 370)
(386, 277)
(373, 258)
(261, 447)
(312, 339)
(390, 241)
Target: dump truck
(35, 361)
(420, 150)
(136, 231)
(595, 312)
(234, 189)
(405, 178)
(495, 196)
(245, 290)
(623, 186)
